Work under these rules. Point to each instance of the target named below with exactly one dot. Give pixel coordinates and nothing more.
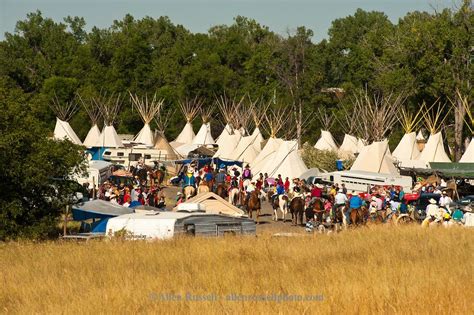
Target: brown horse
(221, 191)
(318, 210)
(156, 176)
(297, 210)
(254, 204)
(357, 216)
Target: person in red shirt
(316, 192)
(287, 184)
(126, 197)
(259, 184)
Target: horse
(280, 202)
(221, 191)
(339, 216)
(318, 210)
(189, 191)
(203, 187)
(297, 210)
(357, 216)
(254, 204)
(156, 175)
(233, 194)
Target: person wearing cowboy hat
(433, 212)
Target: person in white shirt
(445, 201)
(340, 199)
(433, 212)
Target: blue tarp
(97, 209)
(205, 161)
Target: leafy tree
(31, 200)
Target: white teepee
(266, 155)
(93, 137)
(434, 150)
(222, 139)
(189, 108)
(93, 110)
(348, 147)
(326, 142)
(407, 148)
(468, 156)
(109, 108)
(204, 135)
(227, 148)
(63, 130)
(64, 112)
(375, 158)
(245, 150)
(147, 110)
(258, 139)
(285, 162)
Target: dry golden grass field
(379, 270)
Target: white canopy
(204, 135)
(407, 149)
(348, 147)
(468, 156)
(286, 161)
(63, 130)
(434, 150)
(375, 158)
(109, 138)
(267, 154)
(93, 137)
(145, 136)
(326, 142)
(186, 136)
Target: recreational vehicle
(360, 181)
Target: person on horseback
(247, 174)
(354, 203)
(340, 200)
(189, 179)
(280, 190)
(220, 177)
(249, 190)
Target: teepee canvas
(109, 107)
(348, 147)
(407, 148)
(285, 162)
(326, 142)
(189, 108)
(64, 112)
(375, 158)
(468, 156)
(147, 110)
(227, 148)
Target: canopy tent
(267, 154)
(434, 150)
(226, 148)
(375, 158)
(63, 131)
(98, 209)
(286, 162)
(407, 148)
(468, 156)
(326, 142)
(348, 147)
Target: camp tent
(93, 137)
(375, 158)
(257, 143)
(214, 204)
(162, 144)
(189, 109)
(326, 142)
(224, 135)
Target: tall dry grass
(390, 270)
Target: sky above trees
(200, 15)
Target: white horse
(233, 195)
(282, 205)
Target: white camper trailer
(360, 181)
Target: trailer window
(119, 153)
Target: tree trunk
(459, 113)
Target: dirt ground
(266, 224)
